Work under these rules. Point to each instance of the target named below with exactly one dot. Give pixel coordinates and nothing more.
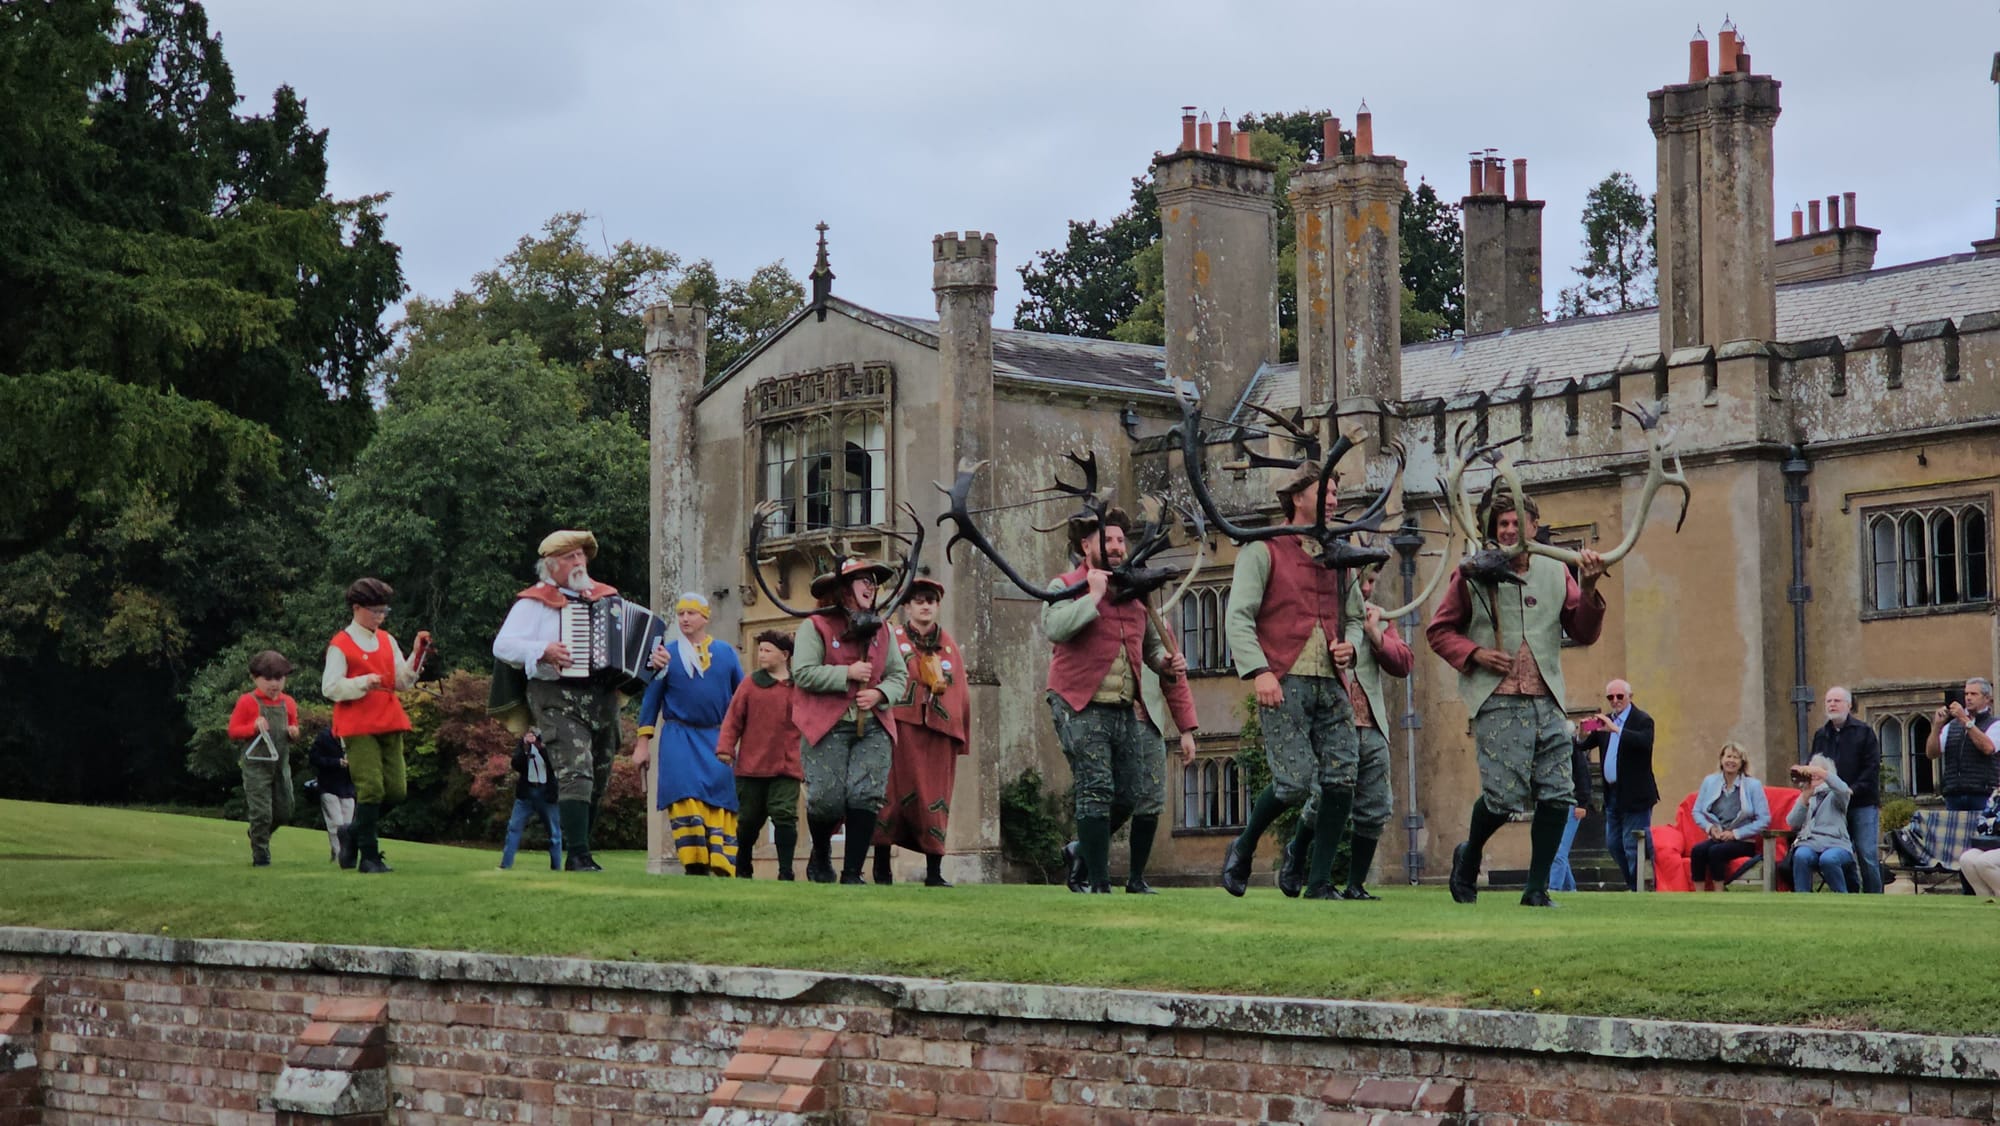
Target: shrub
(1034, 826)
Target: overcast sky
(727, 130)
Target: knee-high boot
(575, 817)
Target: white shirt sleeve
(406, 673)
(526, 633)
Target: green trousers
(376, 761)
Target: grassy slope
(1838, 961)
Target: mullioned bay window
(822, 441)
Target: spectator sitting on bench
(1732, 810)
(1980, 864)
(1820, 816)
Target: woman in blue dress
(683, 711)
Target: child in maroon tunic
(759, 738)
(930, 735)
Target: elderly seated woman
(1731, 809)
(1820, 816)
(1980, 864)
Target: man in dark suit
(1624, 736)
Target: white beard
(579, 580)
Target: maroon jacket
(1300, 594)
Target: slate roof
(1896, 296)
(1127, 368)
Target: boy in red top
(930, 735)
(758, 736)
(269, 720)
(365, 668)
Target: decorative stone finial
(822, 275)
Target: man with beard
(1288, 639)
(1505, 639)
(930, 735)
(577, 716)
(1095, 698)
(848, 677)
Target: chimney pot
(1847, 201)
(1204, 136)
(1743, 62)
(1329, 139)
(1223, 143)
(1243, 146)
(1798, 221)
(1726, 63)
(1364, 131)
(1521, 178)
(1478, 174)
(1698, 57)
(1812, 214)
(1496, 177)
(1833, 213)
(1187, 128)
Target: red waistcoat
(815, 713)
(956, 700)
(1081, 662)
(1301, 594)
(378, 712)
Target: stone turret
(1219, 233)
(676, 363)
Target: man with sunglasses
(1623, 737)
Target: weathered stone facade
(1876, 388)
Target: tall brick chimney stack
(1503, 250)
(1348, 210)
(1715, 202)
(1219, 244)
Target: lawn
(1877, 962)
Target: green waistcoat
(1541, 623)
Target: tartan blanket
(1935, 837)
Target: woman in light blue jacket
(1731, 809)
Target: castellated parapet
(971, 261)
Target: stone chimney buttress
(964, 273)
(1715, 214)
(1219, 229)
(1503, 253)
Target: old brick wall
(135, 1029)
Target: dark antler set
(862, 623)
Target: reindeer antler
(1656, 476)
(965, 531)
(1437, 576)
(758, 517)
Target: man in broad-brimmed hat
(1287, 635)
(1095, 698)
(577, 717)
(846, 686)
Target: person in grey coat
(1820, 816)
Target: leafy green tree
(1108, 280)
(1620, 263)
(481, 451)
(581, 308)
(188, 324)
(740, 313)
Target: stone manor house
(1839, 424)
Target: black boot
(860, 831)
(786, 839)
(347, 853)
(575, 816)
(1360, 857)
(1242, 852)
(884, 874)
(1292, 873)
(1093, 843)
(1145, 827)
(1464, 877)
(368, 855)
(934, 871)
(745, 869)
(1077, 876)
(819, 865)
(260, 856)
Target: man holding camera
(1857, 757)
(1964, 734)
(1623, 734)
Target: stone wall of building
(135, 1028)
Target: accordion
(611, 641)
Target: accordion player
(611, 641)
